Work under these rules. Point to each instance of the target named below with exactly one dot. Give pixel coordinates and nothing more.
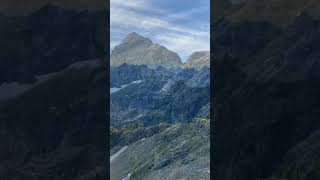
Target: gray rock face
(198, 60)
(172, 95)
(135, 49)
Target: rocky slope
(266, 105)
(158, 95)
(198, 60)
(181, 151)
(159, 113)
(135, 49)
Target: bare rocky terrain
(159, 113)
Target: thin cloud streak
(140, 5)
(124, 18)
(186, 14)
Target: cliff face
(163, 89)
(135, 49)
(266, 105)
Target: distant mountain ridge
(138, 50)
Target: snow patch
(127, 177)
(115, 155)
(114, 90)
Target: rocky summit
(136, 49)
(198, 60)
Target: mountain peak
(136, 49)
(198, 60)
(134, 37)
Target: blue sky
(182, 26)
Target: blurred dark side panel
(266, 89)
(53, 89)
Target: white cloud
(113, 44)
(183, 44)
(186, 14)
